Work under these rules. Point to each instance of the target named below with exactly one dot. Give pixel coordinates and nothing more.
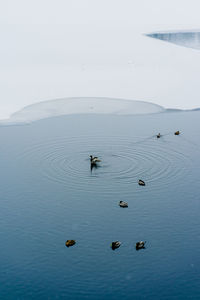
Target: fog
(56, 49)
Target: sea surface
(49, 194)
(190, 39)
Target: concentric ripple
(65, 161)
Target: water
(49, 194)
(186, 39)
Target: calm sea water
(186, 39)
(48, 194)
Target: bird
(177, 132)
(123, 204)
(94, 160)
(115, 245)
(158, 135)
(140, 245)
(141, 182)
(70, 243)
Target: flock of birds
(175, 133)
(94, 160)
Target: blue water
(186, 39)
(48, 194)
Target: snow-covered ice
(90, 48)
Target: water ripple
(124, 160)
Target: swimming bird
(70, 243)
(94, 160)
(177, 132)
(123, 204)
(158, 135)
(141, 182)
(115, 245)
(140, 245)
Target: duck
(140, 245)
(158, 135)
(141, 182)
(70, 243)
(123, 204)
(115, 245)
(177, 132)
(94, 159)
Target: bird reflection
(94, 160)
(93, 166)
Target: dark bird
(123, 204)
(177, 132)
(141, 182)
(70, 243)
(158, 135)
(115, 245)
(140, 245)
(94, 159)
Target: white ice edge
(70, 106)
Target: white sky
(52, 49)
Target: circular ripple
(124, 161)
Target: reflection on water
(49, 195)
(186, 39)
